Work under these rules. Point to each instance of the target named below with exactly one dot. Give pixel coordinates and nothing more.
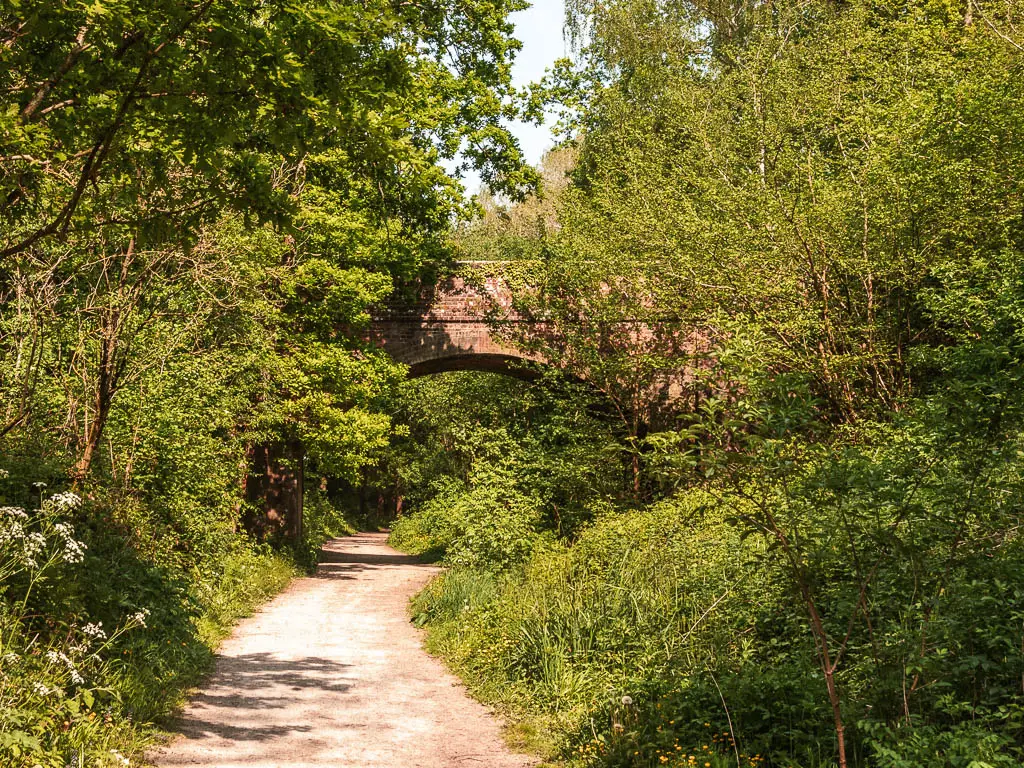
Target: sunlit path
(331, 673)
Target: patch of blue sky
(540, 29)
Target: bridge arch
(517, 367)
(453, 325)
(450, 326)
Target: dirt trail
(331, 673)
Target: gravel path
(331, 673)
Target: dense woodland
(761, 507)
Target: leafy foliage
(789, 257)
(200, 202)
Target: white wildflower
(65, 501)
(58, 657)
(73, 551)
(4, 474)
(8, 659)
(32, 544)
(627, 701)
(28, 548)
(55, 657)
(139, 617)
(42, 690)
(13, 513)
(95, 630)
(12, 526)
(121, 759)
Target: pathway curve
(331, 673)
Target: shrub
(321, 521)
(489, 524)
(429, 530)
(54, 704)
(650, 604)
(97, 642)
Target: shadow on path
(259, 681)
(350, 561)
(328, 556)
(333, 675)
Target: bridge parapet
(454, 299)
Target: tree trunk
(106, 386)
(274, 489)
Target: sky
(540, 30)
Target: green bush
(495, 526)
(489, 525)
(321, 521)
(642, 602)
(429, 530)
(97, 643)
(665, 633)
(52, 692)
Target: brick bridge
(450, 327)
(444, 327)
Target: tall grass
(663, 636)
(642, 604)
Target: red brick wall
(451, 321)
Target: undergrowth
(98, 645)
(661, 636)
